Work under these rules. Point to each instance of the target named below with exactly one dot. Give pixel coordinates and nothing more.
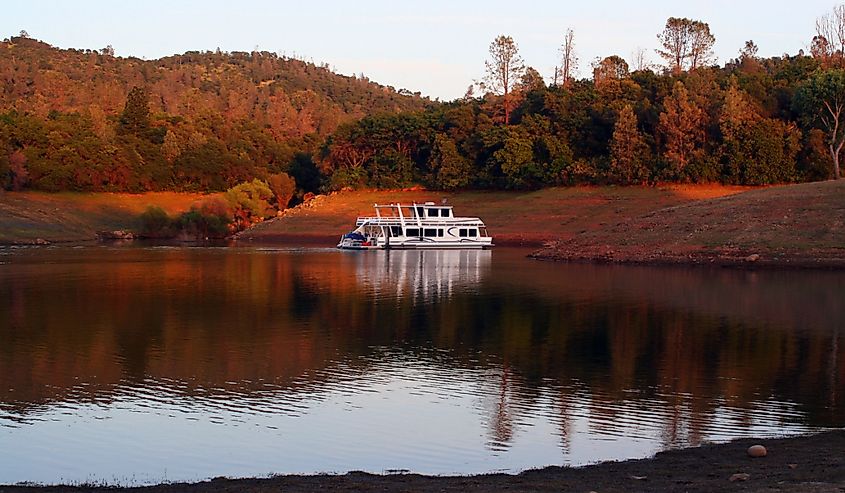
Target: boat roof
(413, 204)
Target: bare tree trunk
(569, 61)
(507, 107)
(835, 156)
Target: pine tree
(681, 127)
(135, 118)
(628, 150)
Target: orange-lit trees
(628, 150)
(686, 44)
(504, 69)
(681, 127)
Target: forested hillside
(87, 120)
(753, 121)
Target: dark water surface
(138, 365)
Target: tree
(504, 69)
(610, 68)
(135, 118)
(748, 57)
(531, 80)
(821, 100)
(283, 187)
(569, 60)
(686, 43)
(749, 50)
(249, 202)
(639, 60)
(628, 150)
(822, 50)
(18, 173)
(681, 126)
(452, 171)
(737, 113)
(829, 42)
(701, 45)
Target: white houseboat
(416, 226)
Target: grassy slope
(795, 223)
(27, 216)
(640, 224)
(512, 217)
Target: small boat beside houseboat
(416, 226)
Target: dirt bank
(786, 226)
(806, 464)
(38, 217)
(513, 218)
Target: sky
(435, 47)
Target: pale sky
(436, 47)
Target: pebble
(757, 451)
(740, 476)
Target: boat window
(440, 233)
(420, 212)
(462, 232)
(395, 231)
(430, 232)
(412, 232)
(473, 232)
(433, 212)
(445, 213)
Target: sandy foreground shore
(814, 463)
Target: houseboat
(416, 226)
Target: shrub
(155, 223)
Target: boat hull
(415, 244)
(416, 227)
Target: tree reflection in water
(665, 356)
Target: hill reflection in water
(138, 365)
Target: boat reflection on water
(421, 275)
(246, 361)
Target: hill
(515, 218)
(37, 217)
(83, 120)
(291, 98)
(800, 225)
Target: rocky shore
(814, 463)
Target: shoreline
(545, 249)
(800, 463)
(748, 260)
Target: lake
(136, 365)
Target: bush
(155, 223)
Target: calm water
(137, 365)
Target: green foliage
(139, 126)
(628, 151)
(209, 218)
(198, 225)
(820, 100)
(763, 153)
(305, 173)
(452, 171)
(89, 121)
(250, 203)
(155, 223)
(135, 118)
